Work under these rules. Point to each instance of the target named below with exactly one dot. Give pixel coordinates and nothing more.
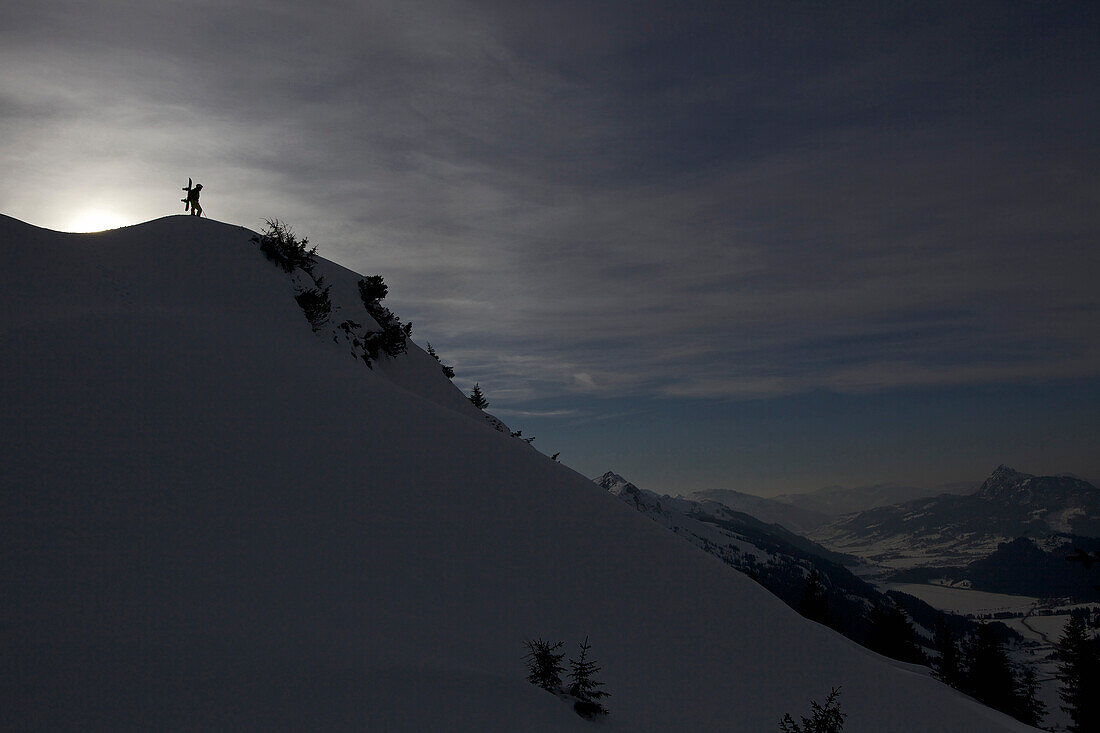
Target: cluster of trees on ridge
(284, 248)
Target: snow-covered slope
(215, 519)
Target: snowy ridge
(216, 519)
(674, 514)
(708, 516)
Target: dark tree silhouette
(393, 336)
(1079, 670)
(582, 685)
(278, 243)
(448, 372)
(947, 667)
(892, 634)
(477, 398)
(814, 604)
(825, 718)
(544, 663)
(989, 675)
(1029, 708)
(372, 289)
(315, 304)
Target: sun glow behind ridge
(95, 220)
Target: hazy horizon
(947, 485)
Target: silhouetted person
(193, 200)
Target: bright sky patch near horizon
(765, 247)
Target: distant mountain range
(954, 530)
(806, 512)
(793, 517)
(834, 501)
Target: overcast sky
(762, 246)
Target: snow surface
(214, 518)
(965, 601)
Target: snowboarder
(192, 200)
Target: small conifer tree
(582, 685)
(947, 667)
(1079, 670)
(1030, 709)
(372, 289)
(316, 305)
(825, 718)
(280, 245)
(989, 675)
(544, 663)
(477, 398)
(394, 336)
(892, 634)
(448, 372)
(278, 242)
(814, 604)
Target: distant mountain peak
(1002, 480)
(615, 483)
(1007, 472)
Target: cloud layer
(614, 199)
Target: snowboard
(186, 201)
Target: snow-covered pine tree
(582, 685)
